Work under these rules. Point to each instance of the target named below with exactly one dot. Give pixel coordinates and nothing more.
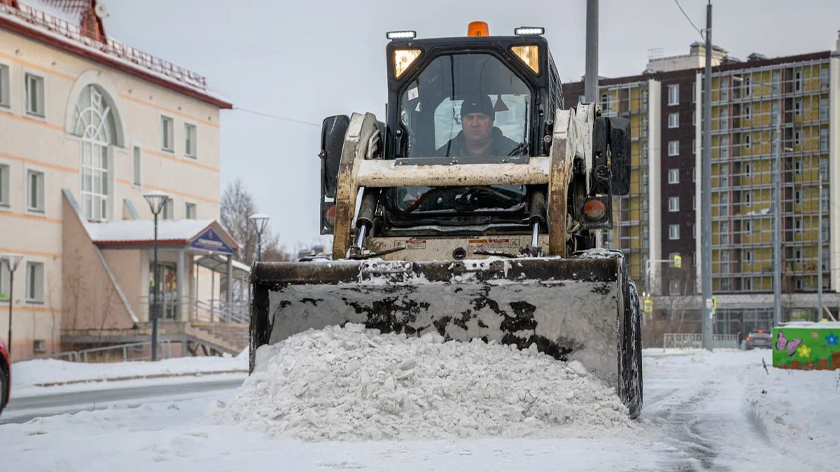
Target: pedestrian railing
(118, 353)
(695, 341)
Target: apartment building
(765, 111)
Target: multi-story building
(661, 216)
(88, 125)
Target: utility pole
(777, 223)
(590, 85)
(706, 204)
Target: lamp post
(156, 202)
(12, 262)
(260, 222)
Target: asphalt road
(23, 409)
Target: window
(797, 77)
(34, 95)
(673, 231)
(797, 108)
(747, 199)
(747, 170)
(673, 148)
(824, 77)
(724, 118)
(673, 176)
(797, 225)
(674, 204)
(724, 177)
(96, 126)
(167, 130)
(724, 237)
(190, 211)
(674, 120)
(824, 140)
(645, 99)
(136, 166)
(748, 284)
(168, 210)
(190, 136)
(800, 284)
(824, 170)
(748, 257)
(4, 185)
(693, 94)
(35, 191)
(35, 282)
(693, 118)
(4, 282)
(606, 103)
(39, 346)
(824, 199)
(724, 147)
(823, 109)
(694, 203)
(674, 94)
(747, 141)
(747, 112)
(724, 204)
(4, 85)
(797, 138)
(797, 167)
(826, 231)
(797, 197)
(797, 255)
(694, 174)
(747, 86)
(674, 287)
(748, 227)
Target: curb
(140, 377)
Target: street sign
(710, 303)
(714, 302)
(677, 261)
(648, 306)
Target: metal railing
(111, 47)
(695, 341)
(129, 352)
(220, 311)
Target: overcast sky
(310, 59)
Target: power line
(689, 19)
(277, 117)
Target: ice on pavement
(352, 383)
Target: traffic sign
(677, 261)
(714, 302)
(648, 306)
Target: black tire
(632, 395)
(4, 386)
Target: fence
(695, 341)
(129, 352)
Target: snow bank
(47, 371)
(351, 383)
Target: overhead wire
(689, 19)
(278, 117)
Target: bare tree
(237, 205)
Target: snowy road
(718, 412)
(129, 394)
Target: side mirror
(332, 141)
(619, 143)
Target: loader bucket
(582, 308)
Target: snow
(144, 230)
(718, 411)
(29, 374)
(351, 383)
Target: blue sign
(210, 241)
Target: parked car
(5, 376)
(758, 339)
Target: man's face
(477, 127)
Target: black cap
(478, 104)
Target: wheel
(632, 394)
(4, 385)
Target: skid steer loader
(471, 212)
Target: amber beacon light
(478, 28)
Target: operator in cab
(478, 136)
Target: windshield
(465, 105)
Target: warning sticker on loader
(489, 243)
(411, 244)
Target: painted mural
(807, 346)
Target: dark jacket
(456, 147)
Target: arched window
(95, 124)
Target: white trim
(677, 94)
(674, 204)
(671, 232)
(7, 204)
(24, 72)
(675, 123)
(43, 280)
(104, 84)
(27, 168)
(654, 174)
(195, 206)
(138, 182)
(193, 156)
(676, 153)
(673, 172)
(8, 76)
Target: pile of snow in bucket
(352, 383)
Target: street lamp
(260, 222)
(12, 262)
(156, 200)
